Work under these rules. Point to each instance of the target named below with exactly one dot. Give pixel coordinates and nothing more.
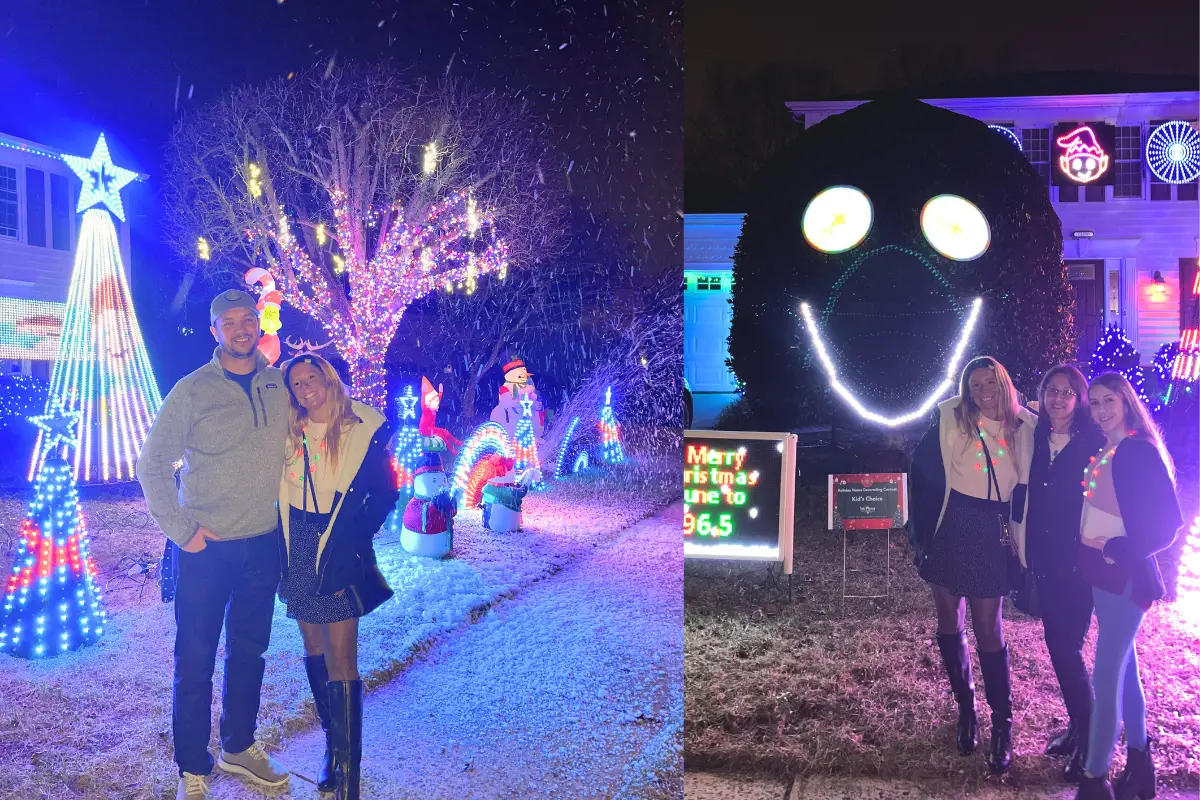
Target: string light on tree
(524, 444)
(322, 237)
(407, 450)
(429, 161)
(610, 432)
(565, 449)
(253, 182)
(1173, 152)
(102, 369)
(1115, 353)
(1009, 134)
(202, 249)
(950, 375)
(51, 603)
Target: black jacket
(350, 551)
(1150, 513)
(1056, 501)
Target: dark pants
(232, 583)
(1066, 605)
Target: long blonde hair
(337, 398)
(967, 413)
(1137, 416)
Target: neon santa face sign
(1081, 157)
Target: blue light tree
(51, 603)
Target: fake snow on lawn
(97, 723)
(572, 690)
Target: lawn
(815, 688)
(97, 723)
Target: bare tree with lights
(362, 190)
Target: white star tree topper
(102, 181)
(60, 428)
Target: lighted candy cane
(269, 302)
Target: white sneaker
(256, 765)
(192, 787)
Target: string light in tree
(524, 445)
(1009, 134)
(1115, 353)
(1173, 152)
(202, 249)
(610, 432)
(429, 160)
(950, 375)
(102, 369)
(407, 450)
(565, 449)
(51, 602)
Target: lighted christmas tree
(1115, 353)
(610, 433)
(1187, 362)
(102, 370)
(52, 603)
(408, 447)
(524, 444)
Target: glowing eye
(955, 227)
(837, 219)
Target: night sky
(855, 40)
(607, 73)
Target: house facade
(1130, 241)
(38, 222)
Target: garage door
(706, 317)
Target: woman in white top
(969, 477)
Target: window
(60, 212)
(1128, 175)
(708, 283)
(35, 207)
(8, 202)
(1036, 142)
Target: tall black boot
(318, 680)
(345, 706)
(997, 687)
(1094, 789)
(1073, 771)
(1138, 780)
(958, 667)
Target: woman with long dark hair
(1064, 439)
(1130, 513)
(338, 488)
(969, 477)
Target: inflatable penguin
(503, 497)
(428, 525)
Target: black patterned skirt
(968, 556)
(299, 587)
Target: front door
(1087, 279)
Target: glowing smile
(814, 336)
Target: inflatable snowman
(428, 525)
(503, 497)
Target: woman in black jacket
(1064, 439)
(1130, 513)
(338, 487)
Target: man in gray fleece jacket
(228, 422)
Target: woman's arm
(927, 489)
(1147, 500)
(379, 483)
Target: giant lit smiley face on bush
(888, 221)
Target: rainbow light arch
(489, 439)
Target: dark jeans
(1066, 605)
(232, 583)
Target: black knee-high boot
(345, 706)
(1139, 779)
(997, 687)
(318, 680)
(957, 660)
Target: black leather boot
(957, 660)
(345, 706)
(997, 687)
(1073, 771)
(318, 680)
(1064, 743)
(1094, 789)
(1138, 780)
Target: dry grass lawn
(805, 689)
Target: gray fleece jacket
(232, 450)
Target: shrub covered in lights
(889, 220)
(1115, 353)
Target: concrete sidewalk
(712, 786)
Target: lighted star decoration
(59, 427)
(408, 404)
(527, 407)
(102, 181)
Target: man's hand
(199, 541)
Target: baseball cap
(234, 298)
